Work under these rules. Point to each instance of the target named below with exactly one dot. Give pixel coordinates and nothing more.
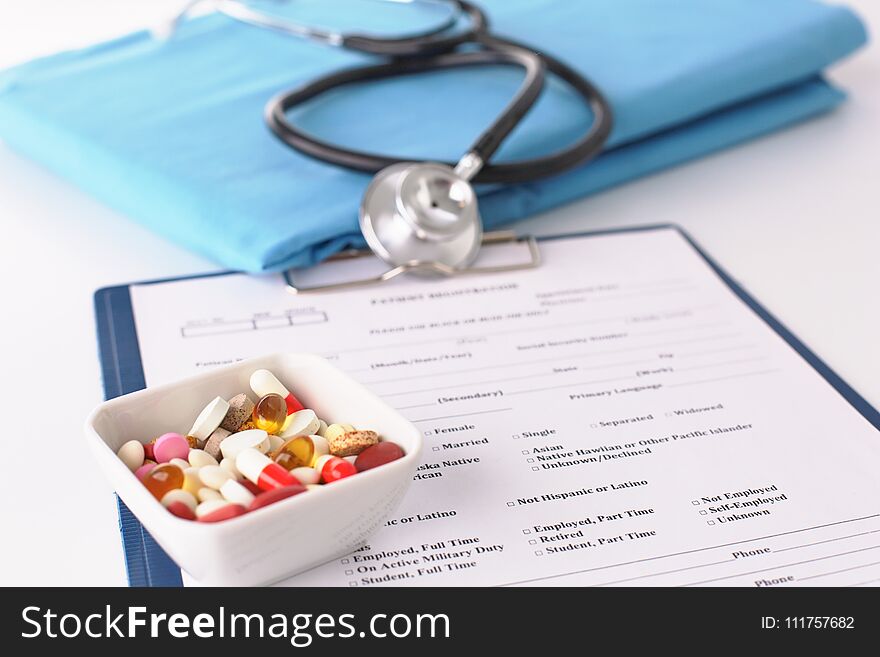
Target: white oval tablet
(301, 423)
(199, 458)
(180, 495)
(132, 454)
(274, 443)
(213, 476)
(236, 493)
(206, 494)
(229, 466)
(306, 476)
(253, 438)
(209, 419)
(322, 429)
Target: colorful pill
(263, 382)
(301, 423)
(217, 510)
(270, 413)
(181, 510)
(261, 470)
(276, 495)
(170, 446)
(333, 468)
(148, 450)
(209, 419)
(142, 471)
(251, 439)
(236, 493)
(378, 454)
(240, 409)
(301, 452)
(132, 454)
(251, 486)
(163, 478)
(182, 496)
(212, 444)
(352, 443)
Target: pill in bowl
(235, 447)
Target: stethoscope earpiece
(422, 213)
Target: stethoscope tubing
(421, 57)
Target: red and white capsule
(263, 382)
(333, 468)
(263, 471)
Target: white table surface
(795, 217)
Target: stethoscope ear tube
(277, 109)
(499, 51)
(431, 43)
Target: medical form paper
(618, 416)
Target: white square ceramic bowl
(281, 539)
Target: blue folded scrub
(171, 133)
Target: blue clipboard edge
(122, 371)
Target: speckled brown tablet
(240, 409)
(352, 443)
(212, 445)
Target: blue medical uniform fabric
(172, 134)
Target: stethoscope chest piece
(422, 215)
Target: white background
(795, 217)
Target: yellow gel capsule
(300, 452)
(270, 413)
(162, 479)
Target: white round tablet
(132, 454)
(253, 438)
(236, 493)
(209, 419)
(213, 476)
(199, 458)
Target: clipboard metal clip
(422, 267)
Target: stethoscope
(424, 216)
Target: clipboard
(147, 565)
